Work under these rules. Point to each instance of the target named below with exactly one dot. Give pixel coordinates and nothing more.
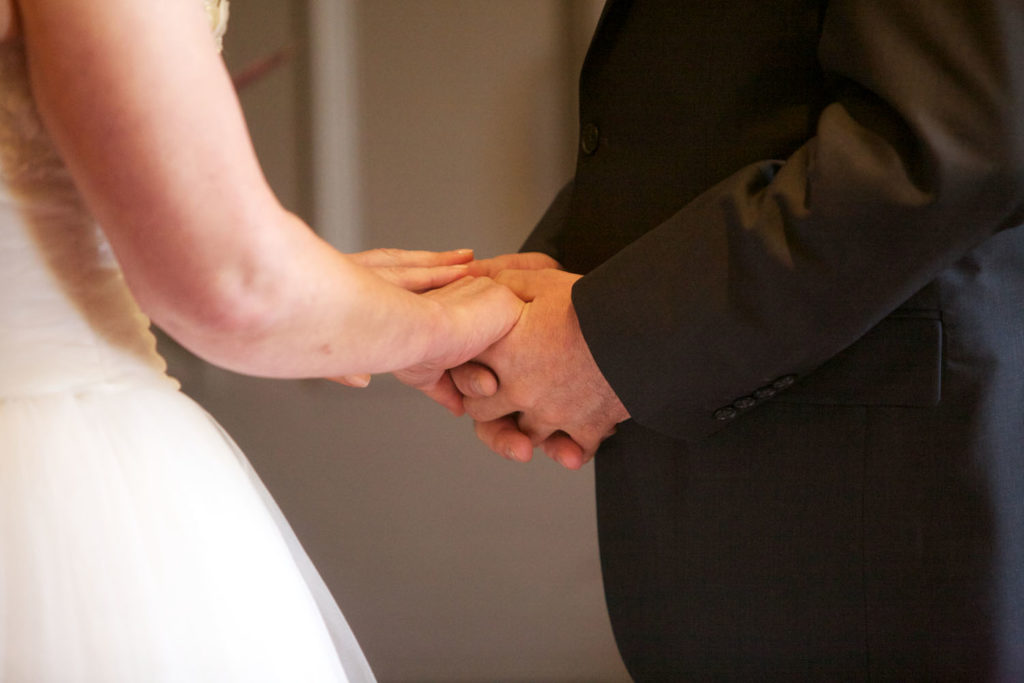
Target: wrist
(437, 326)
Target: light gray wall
(450, 563)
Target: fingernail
(463, 252)
(510, 453)
(568, 462)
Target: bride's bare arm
(143, 111)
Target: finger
(380, 258)
(465, 285)
(538, 430)
(358, 381)
(488, 409)
(532, 260)
(504, 438)
(562, 449)
(570, 446)
(443, 391)
(475, 380)
(419, 279)
(535, 260)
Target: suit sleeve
(917, 158)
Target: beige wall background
(422, 124)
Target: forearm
(299, 309)
(158, 148)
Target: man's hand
(530, 260)
(424, 270)
(549, 392)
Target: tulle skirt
(137, 544)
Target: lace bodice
(217, 11)
(67, 319)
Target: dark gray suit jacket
(798, 221)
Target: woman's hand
(417, 271)
(476, 313)
(421, 271)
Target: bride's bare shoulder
(8, 20)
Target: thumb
(531, 284)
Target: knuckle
(548, 414)
(521, 397)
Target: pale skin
(539, 386)
(214, 259)
(144, 114)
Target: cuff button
(745, 403)
(725, 414)
(784, 382)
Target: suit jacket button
(765, 393)
(726, 413)
(590, 138)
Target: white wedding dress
(136, 542)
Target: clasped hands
(537, 386)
